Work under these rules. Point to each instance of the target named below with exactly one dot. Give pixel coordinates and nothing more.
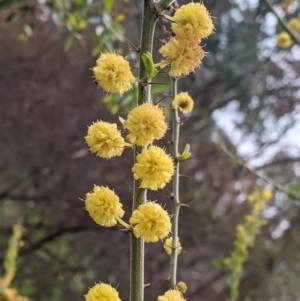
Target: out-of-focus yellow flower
(154, 167)
(150, 222)
(105, 140)
(145, 124)
(171, 295)
(168, 245)
(192, 21)
(294, 24)
(102, 292)
(181, 286)
(10, 294)
(266, 195)
(184, 56)
(284, 40)
(113, 74)
(183, 102)
(103, 206)
(285, 7)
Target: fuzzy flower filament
(150, 222)
(105, 140)
(154, 167)
(103, 206)
(102, 292)
(112, 73)
(145, 123)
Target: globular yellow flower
(103, 206)
(102, 292)
(294, 24)
(266, 195)
(192, 21)
(105, 140)
(171, 295)
(183, 102)
(145, 124)
(113, 74)
(284, 40)
(181, 286)
(150, 222)
(184, 56)
(168, 245)
(154, 167)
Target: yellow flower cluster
(184, 55)
(154, 167)
(294, 24)
(150, 222)
(105, 140)
(284, 40)
(168, 245)
(10, 294)
(183, 102)
(181, 286)
(171, 295)
(103, 206)
(102, 292)
(113, 74)
(145, 123)
(192, 21)
(190, 24)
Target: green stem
(149, 19)
(242, 163)
(282, 23)
(175, 191)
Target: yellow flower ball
(168, 245)
(184, 56)
(284, 40)
(192, 21)
(171, 295)
(102, 292)
(105, 140)
(154, 167)
(145, 124)
(266, 195)
(113, 74)
(150, 222)
(181, 286)
(294, 24)
(103, 206)
(183, 102)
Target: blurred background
(246, 94)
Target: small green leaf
(221, 264)
(108, 4)
(68, 43)
(185, 154)
(149, 65)
(294, 192)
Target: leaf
(185, 154)
(108, 4)
(68, 43)
(293, 192)
(221, 264)
(149, 65)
